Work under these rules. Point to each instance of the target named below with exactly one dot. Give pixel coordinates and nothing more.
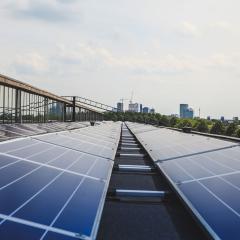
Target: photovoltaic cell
(12, 230)
(50, 188)
(204, 171)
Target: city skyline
(167, 54)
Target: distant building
(141, 108)
(120, 107)
(56, 108)
(185, 111)
(133, 107)
(235, 119)
(152, 110)
(174, 115)
(208, 118)
(222, 118)
(145, 110)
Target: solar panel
(80, 143)
(204, 171)
(53, 190)
(9, 131)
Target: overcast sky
(167, 52)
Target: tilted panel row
(53, 186)
(204, 171)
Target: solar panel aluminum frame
(192, 210)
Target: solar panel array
(204, 171)
(53, 186)
(10, 131)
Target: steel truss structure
(23, 103)
(89, 102)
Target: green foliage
(201, 126)
(231, 129)
(164, 121)
(184, 123)
(217, 128)
(173, 121)
(238, 133)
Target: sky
(166, 52)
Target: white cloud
(46, 10)
(87, 56)
(188, 29)
(220, 62)
(30, 64)
(221, 25)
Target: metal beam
(92, 103)
(140, 193)
(134, 168)
(131, 154)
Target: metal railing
(91, 103)
(23, 103)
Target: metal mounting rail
(131, 154)
(128, 141)
(134, 168)
(130, 149)
(139, 193)
(129, 144)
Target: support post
(45, 110)
(64, 112)
(18, 112)
(74, 110)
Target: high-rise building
(133, 107)
(222, 118)
(145, 110)
(120, 107)
(235, 119)
(141, 108)
(185, 111)
(152, 110)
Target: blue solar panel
(54, 191)
(9, 131)
(205, 172)
(80, 143)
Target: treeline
(200, 125)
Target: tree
(238, 133)
(217, 128)
(231, 128)
(202, 126)
(173, 121)
(164, 121)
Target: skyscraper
(133, 107)
(145, 110)
(152, 110)
(185, 111)
(120, 107)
